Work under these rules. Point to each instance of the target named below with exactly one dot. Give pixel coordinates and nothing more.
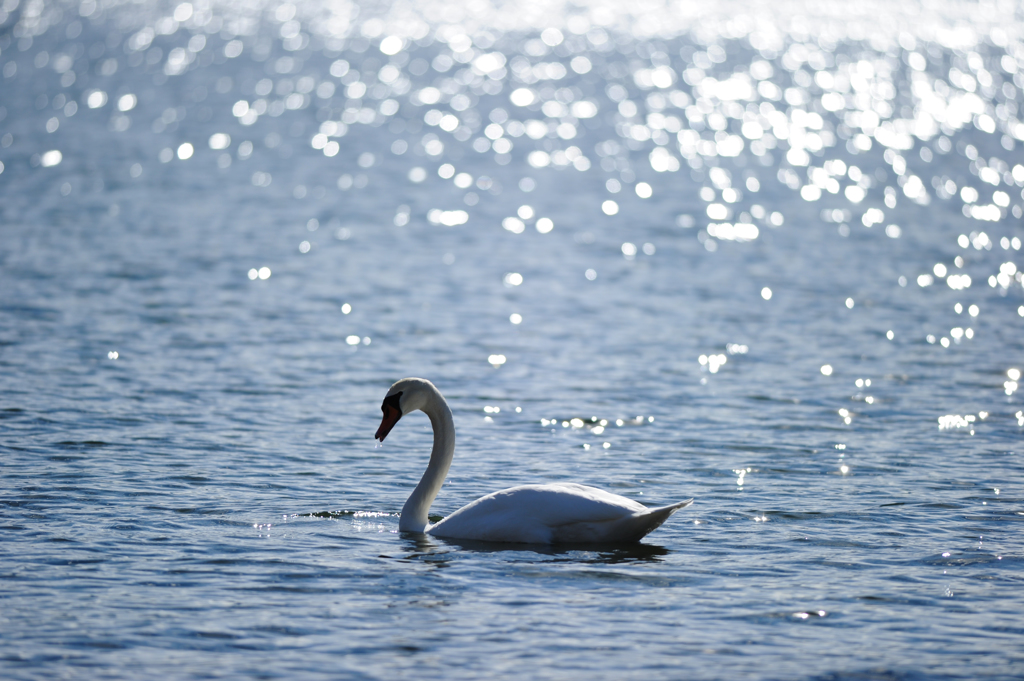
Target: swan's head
(405, 396)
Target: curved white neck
(414, 513)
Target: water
(261, 215)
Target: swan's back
(560, 513)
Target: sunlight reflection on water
(786, 236)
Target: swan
(557, 513)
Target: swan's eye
(392, 401)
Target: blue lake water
(763, 258)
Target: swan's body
(560, 513)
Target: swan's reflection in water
(441, 552)
(425, 549)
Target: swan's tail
(639, 526)
(631, 528)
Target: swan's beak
(391, 416)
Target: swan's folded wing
(540, 514)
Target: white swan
(559, 513)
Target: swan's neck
(414, 514)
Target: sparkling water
(762, 255)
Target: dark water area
(761, 258)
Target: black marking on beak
(392, 412)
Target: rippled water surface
(762, 256)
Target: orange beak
(391, 416)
